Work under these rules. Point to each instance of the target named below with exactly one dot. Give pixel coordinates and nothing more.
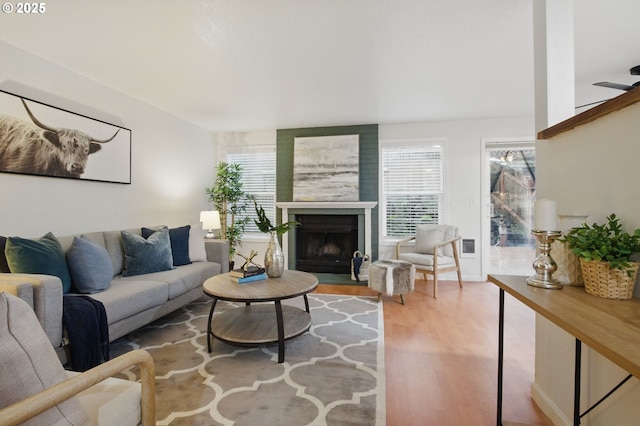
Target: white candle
(545, 215)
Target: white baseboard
(548, 407)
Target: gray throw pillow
(143, 256)
(90, 265)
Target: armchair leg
(435, 286)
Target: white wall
(592, 169)
(463, 162)
(463, 156)
(172, 160)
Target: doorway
(509, 188)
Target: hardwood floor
(441, 355)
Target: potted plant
(231, 202)
(273, 257)
(605, 257)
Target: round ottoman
(392, 277)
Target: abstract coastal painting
(326, 168)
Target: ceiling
(253, 64)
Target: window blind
(259, 180)
(412, 188)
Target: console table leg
(500, 357)
(213, 306)
(280, 321)
(576, 384)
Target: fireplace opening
(325, 243)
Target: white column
(554, 69)
(554, 102)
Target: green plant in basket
(607, 243)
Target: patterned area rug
(332, 375)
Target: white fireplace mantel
(329, 205)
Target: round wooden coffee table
(255, 323)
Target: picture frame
(43, 140)
(326, 168)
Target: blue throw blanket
(85, 320)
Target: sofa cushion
(38, 256)
(30, 364)
(113, 244)
(89, 265)
(127, 296)
(185, 278)
(145, 255)
(179, 238)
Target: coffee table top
(290, 284)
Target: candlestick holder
(544, 264)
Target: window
(412, 189)
(258, 179)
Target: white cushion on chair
(112, 402)
(425, 261)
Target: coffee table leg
(213, 306)
(306, 303)
(280, 321)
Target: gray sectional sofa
(130, 302)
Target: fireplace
(325, 243)
(360, 209)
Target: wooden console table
(610, 327)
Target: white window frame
(436, 143)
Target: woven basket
(607, 283)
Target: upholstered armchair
(35, 389)
(434, 251)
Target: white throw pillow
(427, 236)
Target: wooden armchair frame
(30, 407)
(436, 268)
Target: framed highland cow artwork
(39, 139)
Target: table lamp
(210, 220)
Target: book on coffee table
(252, 278)
(251, 271)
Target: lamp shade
(210, 220)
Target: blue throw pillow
(90, 265)
(179, 238)
(41, 256)
(143, 256)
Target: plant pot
(607, 283)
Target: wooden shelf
(626, 99)
(256, 324)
